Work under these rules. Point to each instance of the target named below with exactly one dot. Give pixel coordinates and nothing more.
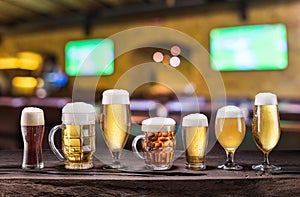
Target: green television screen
(89, 57)
(256, 47)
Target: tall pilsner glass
(266, 127)
(115, 122)
(230, 132)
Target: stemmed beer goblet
(115, 122)
(266, 127)
(230, 132)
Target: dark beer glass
(32, 127)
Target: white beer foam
(32, 116)
(265, 98)
(158, 124)
(115, 96)
(230, 111)
(78, 113)
(195, 120)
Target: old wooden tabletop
(135, 180)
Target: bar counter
(54, 180)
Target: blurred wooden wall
(196, 23)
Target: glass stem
(230, 158)
(266, 159)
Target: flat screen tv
(89, 57)
(255, 47)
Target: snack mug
(159, 142)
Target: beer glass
(78, 136)
(158, 144)
(266, 127)
(32, 127)
(194, 138)
(115, 122)
(230, 132)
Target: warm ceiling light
(158, 57)
(30, 60)
(175, 61)
(175, 50)
(8, 63)
(24, 82)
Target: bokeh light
(175, 61)
(158, 57)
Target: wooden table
(54, 180)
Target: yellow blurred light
(40, 83)
(30, 60)
(24, 82)
(24, 60)
(9, 63)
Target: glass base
(161, 167)
(114, 166)
(195, 166)
(230, 167)
(37, 166)
(265, 167)
(78, 166)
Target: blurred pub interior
(34, 35)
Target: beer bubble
(194, 120)
(156, 124)
(115, 96)
(32, 116)
(265, 98)
(230, 111)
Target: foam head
(115, 96)
(230, 111)
(32, 116)
(78, 113)
(157, 124)
(195, 120)
(265, 98)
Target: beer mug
(78, 136)
(159, 142)
(194, 138)
(32, 127)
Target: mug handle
(51, 142)
(134, 142)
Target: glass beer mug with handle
(115, 122)
(230, 131)
(78, 136)
(159, 142)
(266, 127)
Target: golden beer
(195, 142)
(78, 144)
(230, 132)
(116, 125)
(266, 127)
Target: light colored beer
(266, 127)
(230, 132)
(195, 142)
(78, 144)
(116, 125)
